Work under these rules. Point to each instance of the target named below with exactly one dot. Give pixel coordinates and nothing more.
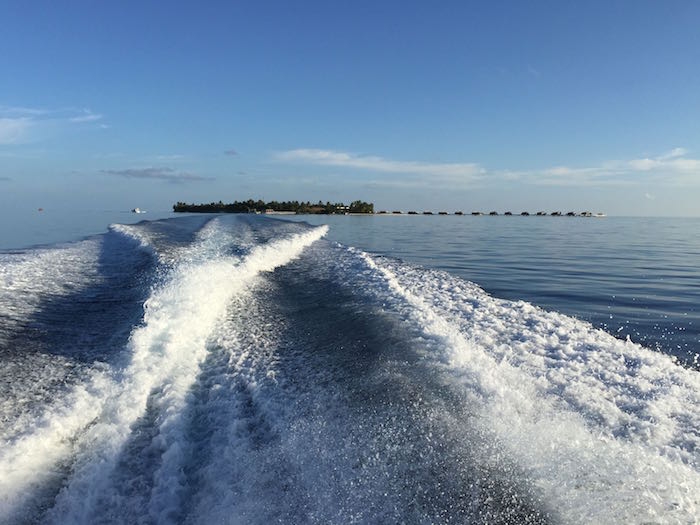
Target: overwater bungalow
(477, 213)
(508, 213)
(541, 213)
(459, 213)
(556, 214)
(493, 213)
(413, 213)
(442, 213)
(571, 214)
(525, 213)
(397, 212)
(427, 212)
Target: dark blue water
(246, 369)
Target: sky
(411, 105)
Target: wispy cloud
(86, 116)
(231, 152)
(14, 130)
(379, 164)
(533, 71)
(673, 167)
(156, 173)
(19, 125)
(170, 158)
(21, 111)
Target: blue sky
(449, 105)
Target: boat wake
(244, 369)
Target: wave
(164, 353)
(27, 278)
(607, 430)
(342, 387)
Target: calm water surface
(636, 277)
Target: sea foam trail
(38, 438)
(169, 478)
(605, 429)
(28, 278)
(166, 353)
(28, 281)
(203, 479)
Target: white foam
(167, 351)
(225, 488)
(29, 278)
(608, 431)
(145, 238)
(33, 455)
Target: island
(280, 207)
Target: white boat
(138, 210)
(599, 215)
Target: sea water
(631, 276)
(247, 369)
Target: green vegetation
(251, 206)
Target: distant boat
(413, 213)
(571, 214)
(556, 214)
(442, 213)
(600, 215)
(477, 213)
(138, 210)
(541, 213)
(459, 213)
(427, 212)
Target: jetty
(495, 213)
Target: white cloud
(86, 116)
(20, 111)
(157, 173)
(533, 71)
(675, 152)
(170, 158)
(673, 167)
(644, 164)
(14, 130)
(465, 171)
(19, 125)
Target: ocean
(323, 369)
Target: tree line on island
(259, 206)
